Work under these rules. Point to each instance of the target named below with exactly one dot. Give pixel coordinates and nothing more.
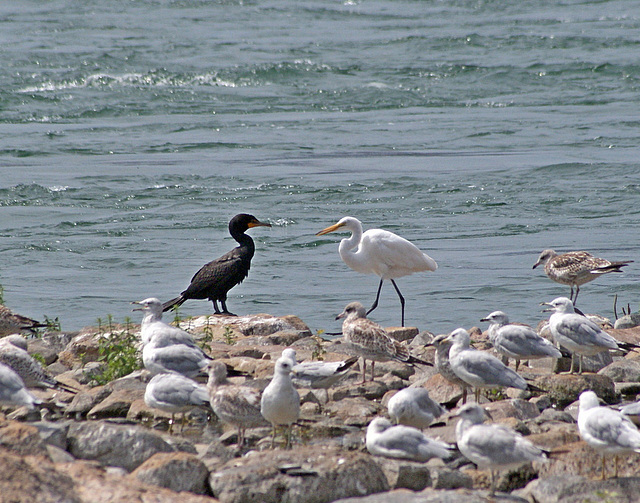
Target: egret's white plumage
(492, 446)
(402, 442)
(173, 392)
(280, 402)
(380, 252)
(576, 268)
(234, 404)
(477, 368)
(414, 407)
(577, 333)
(520, 342)
(13, 390)
(318, 375)
(607, 431)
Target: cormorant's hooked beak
(329, 229)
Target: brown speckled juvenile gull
(13, 323)
(576, 268)
(234, 404)
(370, 340)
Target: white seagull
(403, 442)
(443, 366)
(13, 390)
(577, 333)
(607, 431)
(152, 326)
(480, 369)
(520, 342)
(380, 252)
(318, 374)
(280, 402)
(414, 407)
(491, 446)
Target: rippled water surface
(483, 131)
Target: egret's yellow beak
(329, 229)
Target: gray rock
(309, 474)
(114, 445)
(564, 389)
(402, 474)
(53, 433)
(435, 496)
(624, 370)
(575, 489)
(445, 478)
(177, 471)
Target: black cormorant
(216, 278)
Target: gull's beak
(329, 229)
(342, 314)
(485, 319)
(536, 264)
(258, 223)
(137, 302)
(549, 309)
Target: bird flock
(176, 362)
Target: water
(484, 132)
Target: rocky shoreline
(104, 444)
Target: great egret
(379, 252)
(576, 268)
(214, 280)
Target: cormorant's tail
(178, 301)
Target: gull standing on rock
(607, 431)
(370, 341)
(236, 405)
(480, 369)
(152, 326)
(414, 407)
(576, 268)
(318, 375)
(173, 392)
(443, 366)
(519, 342)
(491, 446)
(380, 252)
(13, 390)
(577, 333)
(403, 442)
(280, 402)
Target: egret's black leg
(375, 303)
(401, 299)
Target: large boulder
(178, 471)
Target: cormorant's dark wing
(218, 276)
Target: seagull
(280, 402)
(477, 368)
(576, 268)
(186, 360)
(443, 366)
(520, 342)
(414, 407)
(152, 326)
(380, 252)
(214, 280)
(234, 404)
(607, 431)
(492, 446)
(577, 333)
(29, 369)
(173, 392)
(403, 442)
(13, 390)
(318, 375)
(13, 323)
(370, 340)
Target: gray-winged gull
(491, 446)
(607, 431)
(414, 407)
(403, 442)
(443, 366)
(152, 326)
(13, 390)
(520, 342)
(318, 374)
(280, 402)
